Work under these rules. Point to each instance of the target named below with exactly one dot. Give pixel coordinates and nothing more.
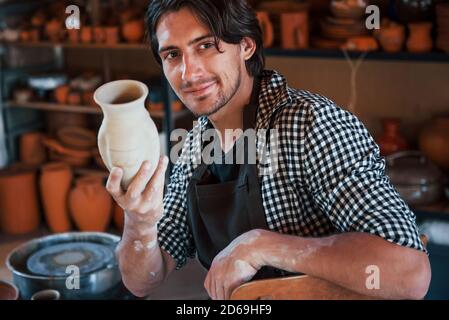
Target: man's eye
(207, 45)
(171, 55)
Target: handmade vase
(32, 150)
(392, 38)
(420, 39)
(90, 204)
(133, 31)
(391, 141)
(127, 135)
(267, 28)
(19, 205)
(55, 182)
(434, 141)
(295, 30)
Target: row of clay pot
(65, 95)
(87, 204)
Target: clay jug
(90, 204)
(434, 141)
(295, 30)
(267, 28)
(133, 31)
(420, 39)
(55, 182)
(391, 141)
(32, 150)
(19, 204)
(392, 37)
(127, 135)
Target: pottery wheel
(53, 260)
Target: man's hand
(142, 201)
(233, 266)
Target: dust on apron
(219, 212)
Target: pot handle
(404, 154)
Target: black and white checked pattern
(329, 179)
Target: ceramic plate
(54, 260)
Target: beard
(223, 97)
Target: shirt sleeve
(346, 176)
(174, 234)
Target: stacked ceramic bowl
(442, 12)
(347, 21)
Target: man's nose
(191, 68)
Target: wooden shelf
(48, 106)
(48, 44)
(269, 52)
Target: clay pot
(112, 35)
(133, 31)
(74, 157)
(434, 141)
(56, 120)
(99, 34)
(35, 35)
(90, 204)
(77, 138)
(25, 36)
(391, 141)
(118, 216)
(19, 204)
(88, 98)
(32, 150)
(295, 30)
(392, 38)
(86, 34)
(74, 98)
(420, 39)
(74, 35)
(267, 28)
(127, 135)
(361, 43)
(55, 182)
(53, 30)
(61, 93)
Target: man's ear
(248, 47)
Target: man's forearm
(345, 259)
(140, 260)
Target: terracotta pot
(420, 39)
(56, 120)
(391, 141)
(133, 31)
(434, 141)
(118, 216)
(77, 138)
(35, 35)
(99, 34)
(128, 135)
(112, 35)
(61, 94)
(86, 34)
(71, 156)
(392, 38)
(25, 36)
(74, 98)
(361, 43)
(74, 35)
(88, 98)
(90, 204)
(19, 204)
(53, 30)
(295, 30)
(267, 28)
(32, 150)
(55, 182)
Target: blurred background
(395, 78)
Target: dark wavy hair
(228, 20)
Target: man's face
(202, 77)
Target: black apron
(220, 212)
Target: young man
(328, 210)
